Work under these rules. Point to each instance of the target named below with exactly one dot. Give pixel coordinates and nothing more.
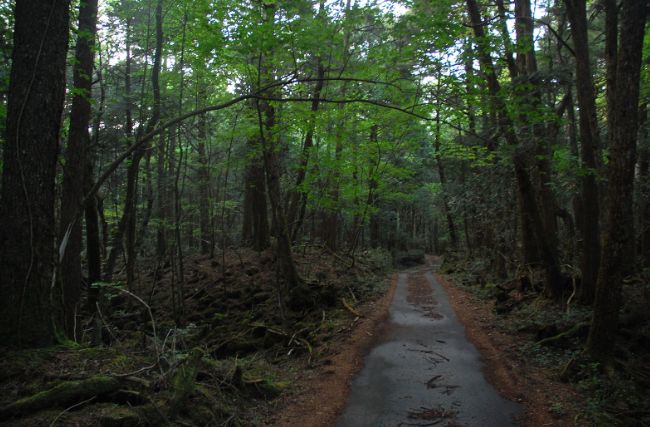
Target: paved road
(423, 371)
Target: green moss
(185, 380)
(64, 394)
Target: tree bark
(374, 225)
(34, 108)
(118, 235)
(451, 227)
(75, 164)
(534, 235)
(266, 117)
(203, 176)
(618, 240)
(255, 228)
(127, 223)
(160, 210)
(298, 197)
(589, 222)
(93, 242)
(644, 193)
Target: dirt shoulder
(504, 368)
(320, 394)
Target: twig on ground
(350, 308)
(153, 321)
(69, 408)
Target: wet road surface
(423, 371)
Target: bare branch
(348, 101)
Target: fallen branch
(350, 308)
(69, 408)
(562, 335)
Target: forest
(207, 206)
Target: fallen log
(63, 395)
(570, 333)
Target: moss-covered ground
(236, 342)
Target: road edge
(321, 394)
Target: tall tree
(535, 237)
(589, 144)
(35, 104)
(272, 168)
(76, 163)
(618, 241)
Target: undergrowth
(236, 347)
(552, 336)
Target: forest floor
(239, 341)
(243, 352)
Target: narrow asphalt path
(423, 371)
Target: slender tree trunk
(116, 239)
(75, 164)
(618, 240)
(161, 179)
(266, 116)
(298, 197)
(644, 193)
(330, 228)
(588, 218)
(534, 233)
(371, 204)
(93, 242)
(34, 108)
(178, 212)
(451, 227)
(93, 210)
(532, 100)
(505, 36)
(203, 176)
(127, 224)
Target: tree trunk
(330, 227)
(34, 108)
(371, 205)
(127, 223)
(75, 164)
(118, 235)
(534, 235)
(203, 177)
(618, 240)
(255, 228)
(266, 119)
(443, 179)
(272, 169)
(160, 209)
(298, 197)
(589, 145)
(611, 53)
(644, 193)
(93, 242)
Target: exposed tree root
(576, 329)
